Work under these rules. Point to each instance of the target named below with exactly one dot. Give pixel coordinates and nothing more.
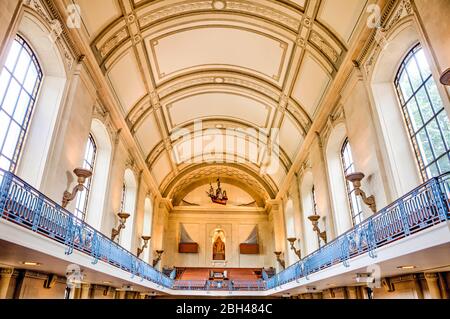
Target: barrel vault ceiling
(231, 63)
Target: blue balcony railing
(425, 206)
(23, 205)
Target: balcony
(426, 207)
(23, 205)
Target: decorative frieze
(252, 8)
(112, 42)
(57, 29)
(323, 46)
(378, 41)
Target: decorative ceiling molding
(196, 172)
(155, 84)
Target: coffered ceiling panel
(219, 146)
(261, 64)
(204, 47)
(277, 174)
(311, 84)
(126, 81)
(291, 137)
(148, 135)
(97, 14)
(218, 105)
(341, 16)
(301, 3)
(161, 168)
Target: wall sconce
(158, 257)
(122, 219)
(280, 261)
(355, 179)
(298, 252)
(82, 174)
(315, 222)
(141, 250)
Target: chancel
(224, 148)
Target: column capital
(431, 276)
(6, 272)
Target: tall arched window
(309, 235)
(20, 81)
(88, 163)
(147, 227)
(424, 114)
(128, 205)
(314, 205)
(349, 167)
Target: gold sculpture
(218, 249)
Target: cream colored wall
(69, 134)
(201, 224)
(363, 140)
(7, 10)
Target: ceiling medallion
(219, 4)
(218, 196)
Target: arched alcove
(336, 178)
(100, 174)
(129, 206)
(306, 191)
(400, 155)
(37, 146)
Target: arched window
(424, 114)
(88, 163)
(20, 81)
(128, 205)
(308, 208)
(98, 188)
(147, 227)
(314, 205)
(349, 167)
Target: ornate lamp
(158, 257)
(355, 179)
(141, 250)
(315, 222)
(298, 252)
(82, 174)
(122, 219)
(280, 261)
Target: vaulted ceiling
(230, 63)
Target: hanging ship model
(217, 196)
